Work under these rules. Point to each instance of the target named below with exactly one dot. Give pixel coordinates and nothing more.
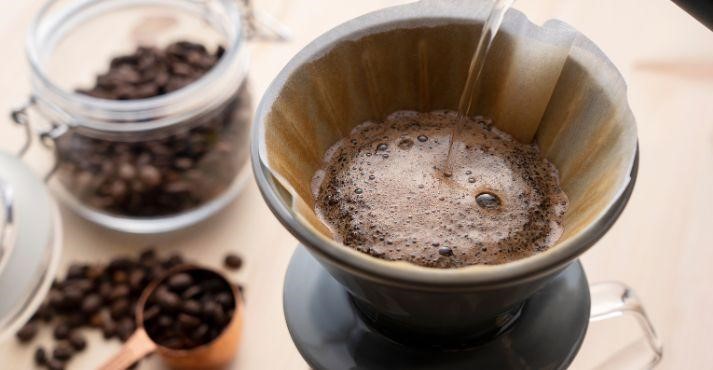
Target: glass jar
(30, 243)
(145, 165)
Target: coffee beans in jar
(157, 175)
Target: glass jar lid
(30, 243)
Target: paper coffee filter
(548, 84)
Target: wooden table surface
(662, 245)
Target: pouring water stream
(473, 81)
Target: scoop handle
(137, 347)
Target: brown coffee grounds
(382, 191)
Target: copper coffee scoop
(214, 354)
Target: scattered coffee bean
(108, 329)
(233, 261)
(63, 351)
(40, 356)
(44, 313)
(76, 339)
(61, 331)
(91, 304)
(125, 328)
(55, 364)
(27, 332)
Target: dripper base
(331, 333)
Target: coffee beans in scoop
(189, 309)
(104, 296)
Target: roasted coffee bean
(55, 298)
(96, 320)
(120, 277)
(44, 313)
(94, 272)
(108, 328)
(225, 300)
(61, 331)
(200, 334)
(120, 308)
(63, 351)
(136, 279)
(148, 174)
(233, 261)
(212, 285)
(173, 261)
(76, 271)
(121, 263)
(72, 297)
(125, 328)
(192, 292)
(121, 291)
(167, 300)
(76, 339)
(151, 312)
(192, 307)
(55, 364)
(91, 304)
(188, 321)
(105, 291)
(83, 285)
(40, 356)
(164, 321)
(148, 255)
(75, 319)
(173, 342)
(214, 312)
(27, 332)
(179, 282)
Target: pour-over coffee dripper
(545, 84)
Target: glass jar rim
(122, 116)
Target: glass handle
(8, 219)
(612, 300)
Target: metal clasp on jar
(47, 135)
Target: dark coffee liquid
(382, 191)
